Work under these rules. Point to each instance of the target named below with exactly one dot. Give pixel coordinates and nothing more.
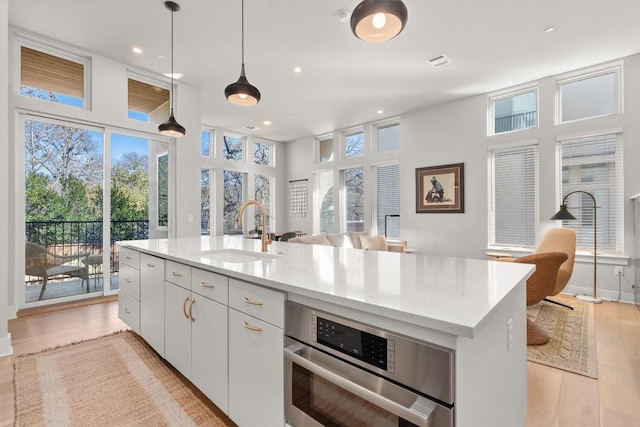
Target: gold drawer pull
(126, 310)
(205, 285)
(251, 328)
(150, 265)
(184, 307)
(252, 301)
(176, 274)
(127, 257)
(127, 280)
(193, 301)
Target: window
(323, 202)
(233, 198)
(513, 195)
(163, 189)
(588, 96)
(353, 186)
(388, 200)
(514, 111)
(147, 102)
(232, 149)
(52, 78)
(263, 195)
(325, 147)
(206, 142)
(354, 145)
(262, 153)
(206, 201)
(388, 138)
(593, 164)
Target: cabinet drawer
(129, 280)
(129, 311)
(177, 273)
(259, 302)
(211, 285)
(129, 257)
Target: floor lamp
(563, 213)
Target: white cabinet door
(152, 301)
(256, 372)
(129, 311)
(177, 328)
(209, 350)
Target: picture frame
(440, 189)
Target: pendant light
(171, 127)
(242, 92)
(378, 20)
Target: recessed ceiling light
(549, 29)
(297, 69)
(380, 111)
(266, 122)
(137, 50)
(175, 75)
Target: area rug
(115, 380)
(572, 346)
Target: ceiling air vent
(438, 60)
(252, 127)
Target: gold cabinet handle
(184, 307)
(150, 265)
(252, 301)
(205, 285)
(176, 274)
(250, 327)
(127, 257)
(126, 310)
(127, 280)
(193, 301)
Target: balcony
(79, 237)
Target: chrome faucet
(266, 240)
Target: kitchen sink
(237, 256)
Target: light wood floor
(555, 398)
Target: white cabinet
(129, 285)
(152, 301)
(256, 366)
(196, 329)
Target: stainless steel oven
(343, 373)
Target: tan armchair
(39, 262)
(539, 285)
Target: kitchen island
(475, 308)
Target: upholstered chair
(560, 240)
(540, 284)
(374, 243)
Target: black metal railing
(74, 237)
(515, 122)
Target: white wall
(457, 132)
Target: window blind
(594, 164)
(388, 199)
(323, 202)
(513, 193)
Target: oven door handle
(422, 417)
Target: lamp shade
(172, 128)
(242, 92)
(563, 213)
(378, 20)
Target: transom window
(354, 144)
(515, 111)
(262, 153)
(232, 148)
(388, 137)
(325, 149)
(52, 78)
(589, 96)
(206, 142)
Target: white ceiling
(492, 44)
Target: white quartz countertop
(452, 295)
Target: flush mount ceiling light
(171, 127)
(378, 20)
(242, 92)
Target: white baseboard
(606, 295)
(5, 346)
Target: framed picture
(440, 189)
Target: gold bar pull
(251, 328)
(127, 257)
(176, 274)
(252, 301)
(193, 301)
(150, 265)
(184, 307)
(205, 285)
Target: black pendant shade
(242, 92)
(171, 127)
(378, 20)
